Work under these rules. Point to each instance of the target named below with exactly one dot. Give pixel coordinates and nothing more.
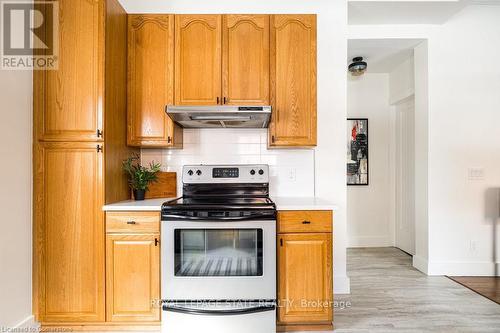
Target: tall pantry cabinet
(79, 142)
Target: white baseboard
(27, 323)
(370, 241)
(421, 264)
(341, 285)
(456, 268)
(452, 268)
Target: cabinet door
(198, 59)
(305, 278)
(69, 232)
(245, 69)
(293, 80)
(151, 80)
(133, 278)
(68, 105)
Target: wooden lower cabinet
(305, 281)
(68, 232)
(133, 278)
(133, 267)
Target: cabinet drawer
(305, 221)
(134, 222)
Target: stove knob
(190, 172)
(198, 172)
(252, 172)
(261, 172)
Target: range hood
(220, 116)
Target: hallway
(389, 295)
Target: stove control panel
(252, 173)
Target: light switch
(476, 173)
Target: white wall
(329, 155)
(402, 81)
(15, 197)
(456, 117)
(368, 209)
(464, 118)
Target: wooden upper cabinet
(198, 59)
(245, 56)
(133, 277)
(293, 80)
(305, 278)
(69, 233)
(69, 100)
(151, 81)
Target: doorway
(404, 113)
(383, 213)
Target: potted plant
(139, 177)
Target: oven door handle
(225, 218)
(211, 312)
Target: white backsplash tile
(292, 170)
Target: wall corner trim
(421, 264)
(341, 285)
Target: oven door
(218, 260)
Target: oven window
(218, 252)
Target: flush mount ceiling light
(358, 66)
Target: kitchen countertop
(282, 203)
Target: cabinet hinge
(169, 139)
(156, 241)
(99, 133)
(281, 241)
(224, 100)
(272, 138)
(99, 148)
(218, 99)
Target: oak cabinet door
(70, 99)
(151, 80)
(305, 278)
(133, 278)
(245, 54)
(198, 59)
(293, 80)
(69, 232)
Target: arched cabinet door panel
(245, 60)
(293, 80)
(198, 59)
(151, 81)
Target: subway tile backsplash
(292, 170)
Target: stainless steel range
(219, 252)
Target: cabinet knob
(224, 100)
(218, 100)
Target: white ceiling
(382, 55)
(403, 11)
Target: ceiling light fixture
(358, 66)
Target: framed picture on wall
(357, 151)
